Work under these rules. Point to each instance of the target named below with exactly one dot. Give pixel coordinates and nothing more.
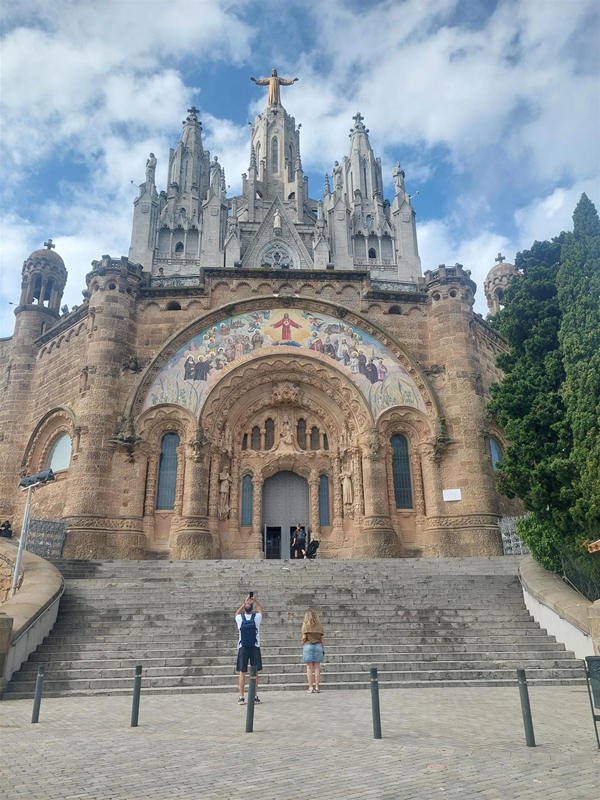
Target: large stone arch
(419, 391)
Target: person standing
(313, 641)
(299, 542)
(248, 623)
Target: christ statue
(274, 82)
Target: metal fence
(511, 543)
(46, 537)
(582, 571)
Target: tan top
(314, 635)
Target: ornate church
(254, 363)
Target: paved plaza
(464, 742)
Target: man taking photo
(248, 622)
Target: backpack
(248, 631)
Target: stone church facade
(254, 362)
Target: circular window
(60, 455)
(277, 257)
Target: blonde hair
(311, 617)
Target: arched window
(37, 289)
(245, 441)
(315, 444)
(167, 472)
(324, 500)
(325, 442)
(255, 438)
(247, 501)
(173, 306)
(372, 253)
(497, 454)
(48, 293)
(394, 310)
(301, 434)
(258, 160)
(401, 472)
(274, 155)
(179, 247)
(60, 455)
(269, 433)
(291, 163)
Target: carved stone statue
(274, 82)
(225, 483)
(215, 173)
(286, 437)
(151, 168)
(347, 490)
(336, 175)
(398, 175)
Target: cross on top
(500, 258)
(358, 117)
(193, 110)
(49, 244)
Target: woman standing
(313, 639)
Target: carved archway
(221, 315)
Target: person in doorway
(299, 542)
(6, 530)
(313, 641)
(248, 622)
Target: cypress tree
(529, 405)
(578, 284)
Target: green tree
(578, 284)
(529, 405)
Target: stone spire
(326, 187)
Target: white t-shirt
(257, 621)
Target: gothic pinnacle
(252, 159)
(326, 188)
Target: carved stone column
(313, 504)
(233, 522)
(193, 539)
(337, 493)
(378, 539)
(213, 491)
(257, 533)
(357, 484)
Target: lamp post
(28, 484)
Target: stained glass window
(401, 472)
(167, 472)
(60, 455)
(324, 500)
(247, 500)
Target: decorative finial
(327, 188)
(358, 118)
(500, 258)
(193, 116)
(49, 244)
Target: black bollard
(251, 696)
(375, 704)
(137, 688)
(526, 708)
(37, 700)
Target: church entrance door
(285, 503)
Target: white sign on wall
(452, 494)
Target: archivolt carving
(228, 391)
(412, 423)
(255, 304)
(157, 421)
(52, 425)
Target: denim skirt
(312, 652)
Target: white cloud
(509, 100)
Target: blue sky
(491, 106)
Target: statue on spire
(274, 82)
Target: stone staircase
(422, 622)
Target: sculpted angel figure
(274, 82)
